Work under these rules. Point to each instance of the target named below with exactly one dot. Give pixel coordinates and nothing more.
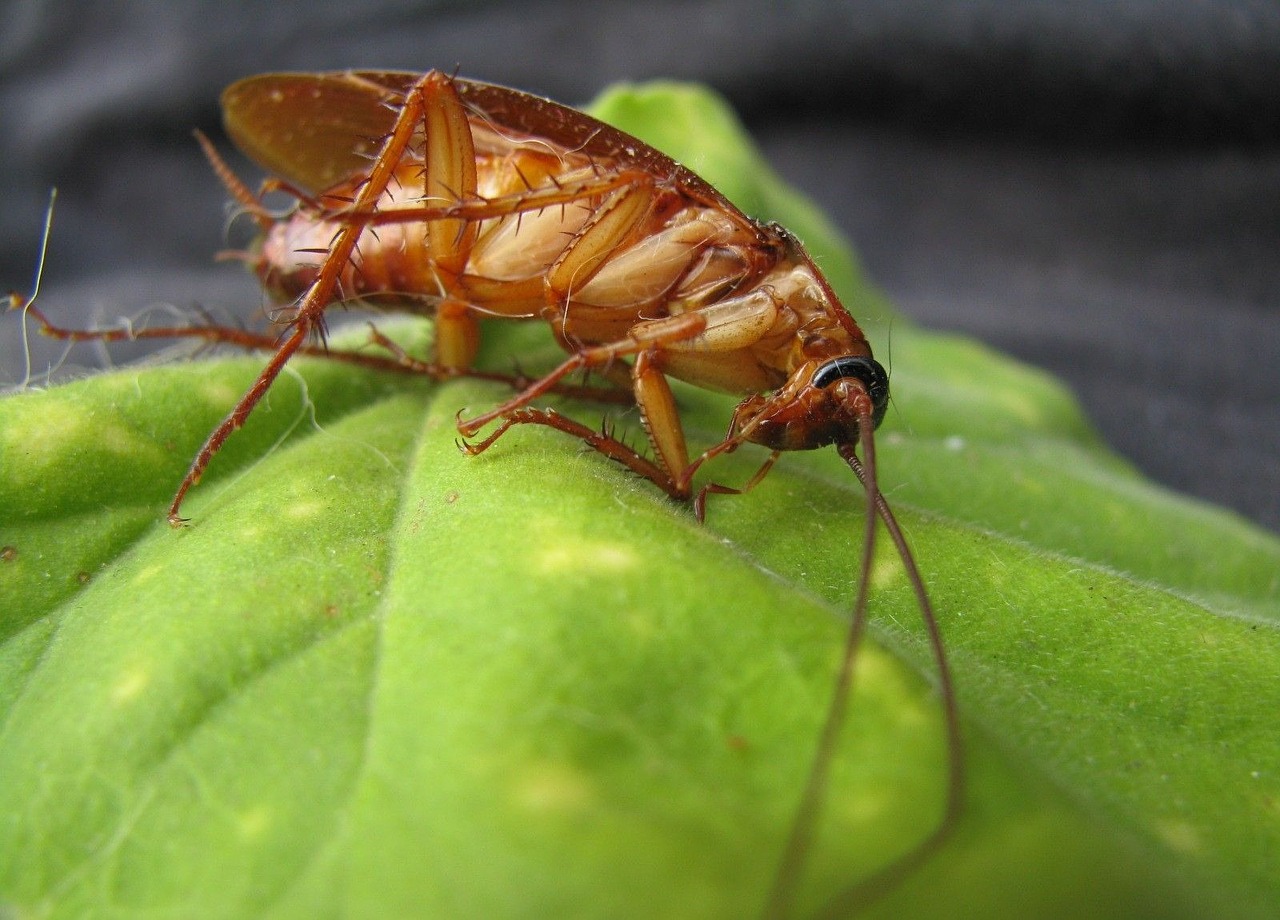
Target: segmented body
(626, 237)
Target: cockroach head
(824, 402)
(867, 370)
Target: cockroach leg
(401, 360)
(477, 208)
(321, 292)
(715, 488)
(457, 334)
(240, 192)
(251, 202)
(600, 441)
(644, 336)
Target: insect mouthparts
(868, 370)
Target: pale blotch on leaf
(873, 664)
(1181, 836)
(253, 822)
(251, 532)
(1031, 485)
(1119, 515)
(886, 572)
(641, 622)
(879, 673)
(52, 431)
(60, 431)
(302, 509)
(122, 442)
(148, 573)
(550, 786)
(216, 393)
(916, 713)
(862, 806)
(576, 555)
(130, 685)
(1026, 408)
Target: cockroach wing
(313, 130)
(317, 129)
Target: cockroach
(467, 201)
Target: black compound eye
(868, 370)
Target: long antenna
(804, 824)
(870, 889)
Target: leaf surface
(379, 678)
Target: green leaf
(379, 678)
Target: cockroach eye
(868, 370)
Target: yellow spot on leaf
(303, 509)
(1180, 835)
(130, 685)
(59, 427)
(217, 393)
(641, 622)
(253, 822)
(873, 666)
(885, 572)
(861, 807)
(1026, 408)
(148, 573)
(585, 556)
(548, 786)
(62, 433)
(119, 440)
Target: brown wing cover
(316, 129)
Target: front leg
(602, 441)
(670, 471)
(647, 336)
(652, 395)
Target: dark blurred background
(1092, 186)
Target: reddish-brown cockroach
(466, 201)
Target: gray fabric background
(1091, 186)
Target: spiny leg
(240, 192)
(232, 336)
(401, 360)
(478, 209)
(601, 441)
(396, 360)
(252, 203)
(449, 176)
(678, 487)
(433, 89)
(581, 259)
(645, 336)
(715, 488)
(733, 439)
